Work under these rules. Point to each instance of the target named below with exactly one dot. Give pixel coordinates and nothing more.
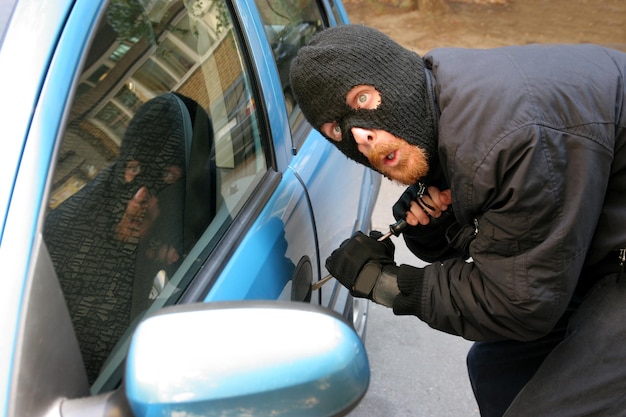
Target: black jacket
(531, 142)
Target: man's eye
(132, 169)
(332, 130)
(172, 174)
(363, 97)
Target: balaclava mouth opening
(340, 58)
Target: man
(515, 163)
(137, 218)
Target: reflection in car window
(161, 150)
(289, 25)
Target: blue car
(166, 210)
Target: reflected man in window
(136, 219)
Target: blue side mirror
(246, 358)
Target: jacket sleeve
(536, 198)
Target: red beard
(410, 166)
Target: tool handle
(394, 229)
(398, 227)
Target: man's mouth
(390, 158)
(136, 222)
(385, 156)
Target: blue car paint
(302, 371)
(267, 75)
(330, 208)
(341, 10)
(263, 263)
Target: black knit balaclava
(339, 58)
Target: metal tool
(394, 229)
(321, 282)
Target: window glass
(161, 150)
(289, 25)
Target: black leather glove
(366, 267)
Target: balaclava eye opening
(340, 58)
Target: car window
(289, 25)
(161, 149)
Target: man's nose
(142, 195)
(364, 138)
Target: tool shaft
(321, 282)
(385, 236)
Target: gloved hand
(403, 205)
(428, 242)
(366, 267)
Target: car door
(159, 168)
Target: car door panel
(266, 259)
(333, 205)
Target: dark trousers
(577, 370)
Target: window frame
(298, 125)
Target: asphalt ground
(416, 371)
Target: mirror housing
(250, 358)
